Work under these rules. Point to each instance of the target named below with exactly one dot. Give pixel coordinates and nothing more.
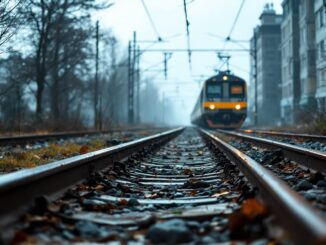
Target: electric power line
(236, 19)
(188, 31)
(151, 20)
(228, 38)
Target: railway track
(28, 139)
(309, 141)
(161, 189)
(285, 134)
(310, 158)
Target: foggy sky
(207, 18)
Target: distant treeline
(47, 68)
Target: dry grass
(319, 124)
(32, 158)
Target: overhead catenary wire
(236, 19)
(236, 42)
(159, 38)
(188, 32)
(228, 38)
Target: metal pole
(163, 102)
(165, 65)
(138, 85)
(130, 87)
(96, 89)
(256, 80)
(133, 78)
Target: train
(222, 102)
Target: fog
(70, 70)
(210, 24)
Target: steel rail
(310, 158)
(286, 134)
(24, 139)
(19, 190)
(304, 223)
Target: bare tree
(46, 20)
(9, 18)
(15, 76)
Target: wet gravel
(309, 183)
(181, 193)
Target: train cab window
(237, 91)
(213, 90)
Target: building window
(322, 49)
(321, 18)
(323, 78)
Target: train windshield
(214, 91)
(225, 90)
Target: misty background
(49, 50)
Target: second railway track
(189, 190)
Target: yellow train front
(222, 102)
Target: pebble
(260, 242)
(321, 183)
(206, 226)
(178, 195)
(133, 202)
(272, 157)
(207, 240)
(303, 185)
(197, 184)
(194, 225)
(113, 142)
(87, 229)
(170, 232)
(322, 198)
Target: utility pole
(256, 81)
(163, 114)
(166, 66)
(134, 75)
(96, 87)
(131, 79)
(113, 54)
(167, 56)
(138, 85)
(130, 86)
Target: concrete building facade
(307, 56)
(252, 79)
(266, 67)
(320, 21)
(290, 61)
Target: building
(290, 101)
(266, 68)
(251, 88)
(320, 21)
(307, 58)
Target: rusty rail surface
(286, 134)
(25, 139)
(310, 158)
(303, 222)
(19, 190)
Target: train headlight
(238, 107)
(212, 107)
